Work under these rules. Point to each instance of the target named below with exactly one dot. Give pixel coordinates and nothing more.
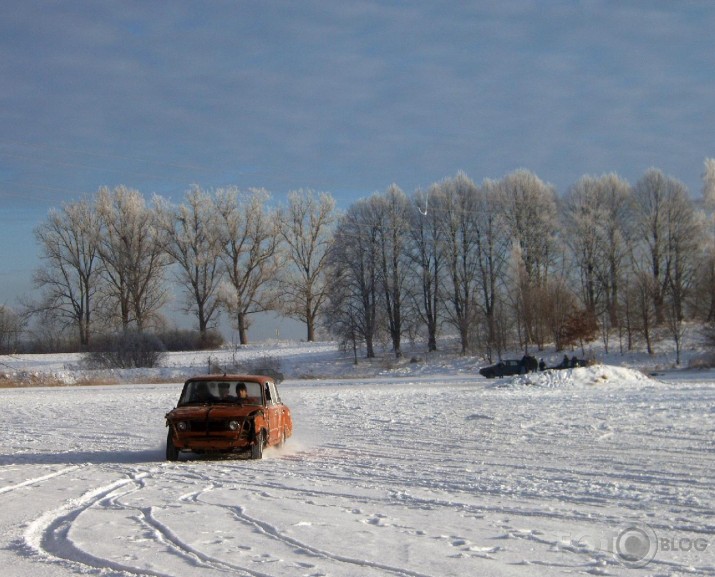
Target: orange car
(227, 414)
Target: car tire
(172, 453)
(257, 447)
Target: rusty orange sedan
(228, 414)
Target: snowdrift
(596, 375)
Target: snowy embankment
(427, 472)
(297, 359)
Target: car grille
(215, 426)
(208, 426)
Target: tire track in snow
(586, 559)
(274, 533)
(268, 531)
(36, 480)
(174, 541)
(166, 535)
(48, 536)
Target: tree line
(508, 264)
(111, 261)
(503, 264)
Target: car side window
(272, 397)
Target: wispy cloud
(343, 95)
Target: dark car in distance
(502, 369)
(527, 364)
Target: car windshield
(234, 392)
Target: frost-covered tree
(616, 198)
(582, 216)
(528, 207)
(250, 236)
(669, 235)
(354, 291)
(459, 223)
(493, 247)
(70, 274)
(134, 261)
(529, 210)
(391, 210)
(426, 261)
(192, 237)
(306, 226)
(595, 221)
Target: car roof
(230, 378)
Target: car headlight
(182, 426)
(234, 425)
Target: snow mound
(579, 377)
(38, 378)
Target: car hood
(212, 411)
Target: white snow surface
(407, 470)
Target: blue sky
(340, 96)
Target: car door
(273, 409)
(513, 368)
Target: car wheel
(172, 453)
(257, 447)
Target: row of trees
(106, 259)
(509, 263)
(503, 264)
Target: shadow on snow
(82, 457)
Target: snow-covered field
(426, 469)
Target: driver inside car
(224, 392)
